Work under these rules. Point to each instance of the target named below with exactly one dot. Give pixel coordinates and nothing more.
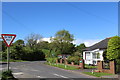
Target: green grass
(0, 74)
(11, 60)
(62, 66)
(90, 67)
(97, 74)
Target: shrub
(32, 55)
(51, 60)
(7, 75)
(117, 65)
(4, 55)
(74, 59)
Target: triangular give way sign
(8, 38)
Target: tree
(19, 42)
(3, 49)
(113, 49)
(77, 54)
(17, 51)
(63, 42)
(33, 39)
(80, 48)
(104, 55)
(64, 36)
(32, 54)
(32, 49)
(3, 45)
(43, 45)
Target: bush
(51, 60)
(113, 48)
(74, 59)
(4, 55)
(32, 55)
(7, 75)
(117, 65)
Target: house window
(87, 55)
(94, 62)
(94, 56)
(98, 55)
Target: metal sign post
(8, 39)
(8, 58)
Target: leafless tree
(33, 39)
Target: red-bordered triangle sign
(8, 38)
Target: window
(94, 62)
(94, 56)
(87, 55)
(98, 55)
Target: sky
(89, 22)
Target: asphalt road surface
(37, 69)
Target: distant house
(94, 53)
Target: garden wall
(110, 70)
(80, 66)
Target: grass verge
(63, 66)
(97, 74)
(11, 60)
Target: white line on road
(19, 73)
(34, 70)
(60, 75)
(40, 77)
(14, 68)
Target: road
(37, 69)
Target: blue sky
(87, 21)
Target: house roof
(100, 45)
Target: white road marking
(34, 70)
(14, 68)
(40, 77)
(60, 75)
(19, 73)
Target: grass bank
(63, 66)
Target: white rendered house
(94, 53)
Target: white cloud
(46, 39)
(88, 42)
